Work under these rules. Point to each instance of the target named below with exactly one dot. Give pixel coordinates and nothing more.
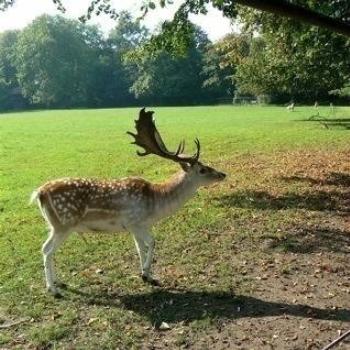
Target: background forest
(61, 63)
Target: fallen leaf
(91, 320)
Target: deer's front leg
(145, 247)
(149, 241)
(141, 250)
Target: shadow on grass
(335, 199)
(175, 306)
(329, 122)
(312, 240)
(310, 200)
(333, 179)
(317, 118)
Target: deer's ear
(185, 166)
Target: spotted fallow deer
(129, 204)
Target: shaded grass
(287, 193)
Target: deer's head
(150, 140)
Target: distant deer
(290, 107)
(133, 204)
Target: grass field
(260, 261)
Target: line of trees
(60, 63)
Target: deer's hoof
(54, 292)
(61, 285)
(152, 281)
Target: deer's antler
(150, 140)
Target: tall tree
(126, 36)
(128, 33)
(218, 80)
(10, 93)
(163, 78)
(54, 60)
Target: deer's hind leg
(51, 245)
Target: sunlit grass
(249, 143)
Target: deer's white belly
(109, 226)
(100, 220)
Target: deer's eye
(202, 171)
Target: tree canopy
(56, 62)
(54, 59)
(289, 58)
(60, 63)
(296, 9)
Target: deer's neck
(172, 194)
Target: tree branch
(336, 341)
(285, 8)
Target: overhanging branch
(284, 8)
